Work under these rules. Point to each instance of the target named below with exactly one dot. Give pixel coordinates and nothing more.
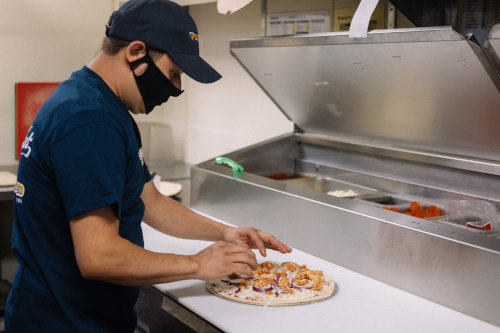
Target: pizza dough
(275, 284)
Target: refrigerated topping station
(401, 117)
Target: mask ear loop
(149, 61)
(133, 65)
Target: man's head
(165, 26)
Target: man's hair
(113, 45)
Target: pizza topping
(287, 277)
(309, 280)
(236, 279)
(238, 276)
(265, 268)
(291, 266)
(263, 283)
(263, 290)
(303, 284)
(282, 272)
(285, 283)
(273, 283)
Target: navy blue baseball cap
(166, 26)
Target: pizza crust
(248, 296)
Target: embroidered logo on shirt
(19, 189)
(25, 147)
(141, 155)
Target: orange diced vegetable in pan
(433, 211)
(414, 207)
(394, 209)
(420, 213)
(417, 211)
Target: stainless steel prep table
(411, 114)
(7, 192)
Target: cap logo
(193, 36)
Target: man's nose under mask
(154, 86)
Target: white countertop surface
(361, 304)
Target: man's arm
(172, 218)
(102, 254)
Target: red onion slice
(288, 275)
(308, 285)
(262, 290)
(235, 282)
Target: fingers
(243, 256)
(272, 243)
(223, 258)
(243, 269)
(256, 240)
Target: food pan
(404, 205)
(331, 186)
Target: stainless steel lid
(424, 88)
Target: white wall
(234, 112)
(43, 40)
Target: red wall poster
(29, 98)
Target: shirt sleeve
(147, 173)
(90, 168)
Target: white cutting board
(7, 178)
(362, 304)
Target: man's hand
(224, 258)
(255, 239)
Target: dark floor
(4, 292)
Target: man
(83, 187)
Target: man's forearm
(129, 264)
(102, 254)
(173, 218)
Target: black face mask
(154, 86)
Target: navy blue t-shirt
(83, 152)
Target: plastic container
(475, 214)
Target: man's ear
(135, 51)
